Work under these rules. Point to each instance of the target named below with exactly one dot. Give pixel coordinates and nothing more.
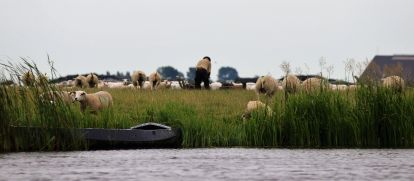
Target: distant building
(382, 66)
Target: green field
(371, 117)
(366, 118)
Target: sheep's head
(78, 96)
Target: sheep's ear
(73, 92)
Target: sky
(253, 36)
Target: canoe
(147, 135)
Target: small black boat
(147, 135)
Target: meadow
(364, 119)
(370, 117)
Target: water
(210, 164)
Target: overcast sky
(254, 36)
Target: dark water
(210, 164)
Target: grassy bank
(370, 117)
(366, 118)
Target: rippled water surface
(210, 164)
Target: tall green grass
(371, 117)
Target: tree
(169, 73)
(191, 73)
(228, 74)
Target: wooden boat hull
(106, 139)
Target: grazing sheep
(339, 87)
(147, 85)
(28, 79)
(96, 101)
(116, 85)
(164, 85)
(266, 85)
(237, 85)
(215, 85)
(102, 84)
(155, 80)
(80, 81)
(55, 96)
(394, 82)
(175, 85)
(92, 80)
(250, 86)
(333, 87)
(256, 106)
(314, 83)
(291, 83)
(138, 78)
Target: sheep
(96, 101)
(250, 86)
(175, 85)
(138, 78)
(266, 85)
(237, 85)
(339, 87)
(102, 84)
(215, 85)
(394, 82)
(80, 81)
(147, 85)
(291, 83)
(155, 80)
(55, 96)
(164, 85)
(28, 78)
(253, 106)
(115, 85)
(314, 83)
(92, 80)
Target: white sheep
(175, 85)
(394, 82)
(164, 85)
(215, 85)
(80, 81)
(253, 106)
(250, 86)
(92, 80)
(138, 78)
(236, 85)
(115, 85)
(96, 101)
(266, 85)
(147, 85)
(291, 83)
(314, 83)
(155, 80)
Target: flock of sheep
(266, 85)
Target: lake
(211, 164)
